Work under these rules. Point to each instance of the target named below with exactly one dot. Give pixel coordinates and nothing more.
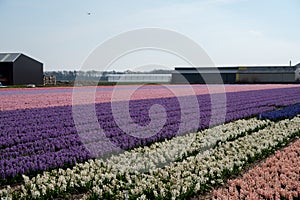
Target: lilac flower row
(70, 89)
(38, 139)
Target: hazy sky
(61, 33)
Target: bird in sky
(89, 13)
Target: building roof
(136, 75)
(267, 69)
(207, 69)
(9, 57)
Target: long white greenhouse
(140, 78)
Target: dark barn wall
(27, 71)
(214, 78)
(185, 78)
(203, 78)
(204, 75)
(288, 77)
(178, 78)
(6, 70)
(228, 78)
(267, 77)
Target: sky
(62, 33)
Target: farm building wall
(228, 78)
(27, 71)
(6, 73)
(185, 78)
(203, 75)
(201, 78)
(266, 77)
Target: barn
(242, 74)
(20, 69)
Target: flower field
(277, 178)
(46, 154)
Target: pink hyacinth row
(277, 178)
(23, 98)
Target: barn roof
(9, 57)
(207, 69)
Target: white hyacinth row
(161, 154)
(207, 168)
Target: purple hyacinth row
(282, 113)
(33, 140)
